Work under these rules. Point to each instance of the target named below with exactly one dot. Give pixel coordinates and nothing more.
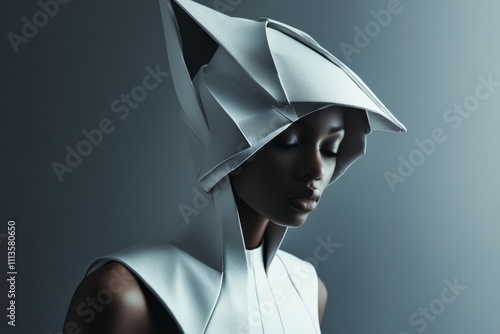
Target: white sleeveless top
(283, 300)
(209, 282)
(276, 305)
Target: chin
(292, 223)
(296, 225)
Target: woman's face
(284, 181)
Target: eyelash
(326, 153)
(330, 154)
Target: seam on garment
(256, 292)
(296, 289)
(276, 304)
(215, 304)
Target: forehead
(331, 117)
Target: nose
(311, 167)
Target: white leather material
(260, 78)
(185, 286)
(261, 291)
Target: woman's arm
(322, 298)
(111, 300)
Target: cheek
(261, 179)
(250, 180)
(280, 164)
(329, 170)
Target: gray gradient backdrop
(397, 246)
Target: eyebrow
(333, 129)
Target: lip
(302, 204)
(305, 200)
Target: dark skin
(133, 309)
(303, 156)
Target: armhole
(99, 303)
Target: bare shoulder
(113, 300)
(322, 298)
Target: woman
(272, 119)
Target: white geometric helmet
(242, 82)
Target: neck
(253, 225)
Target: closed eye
(287, 145)
(329, 153)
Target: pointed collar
(214, 232)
